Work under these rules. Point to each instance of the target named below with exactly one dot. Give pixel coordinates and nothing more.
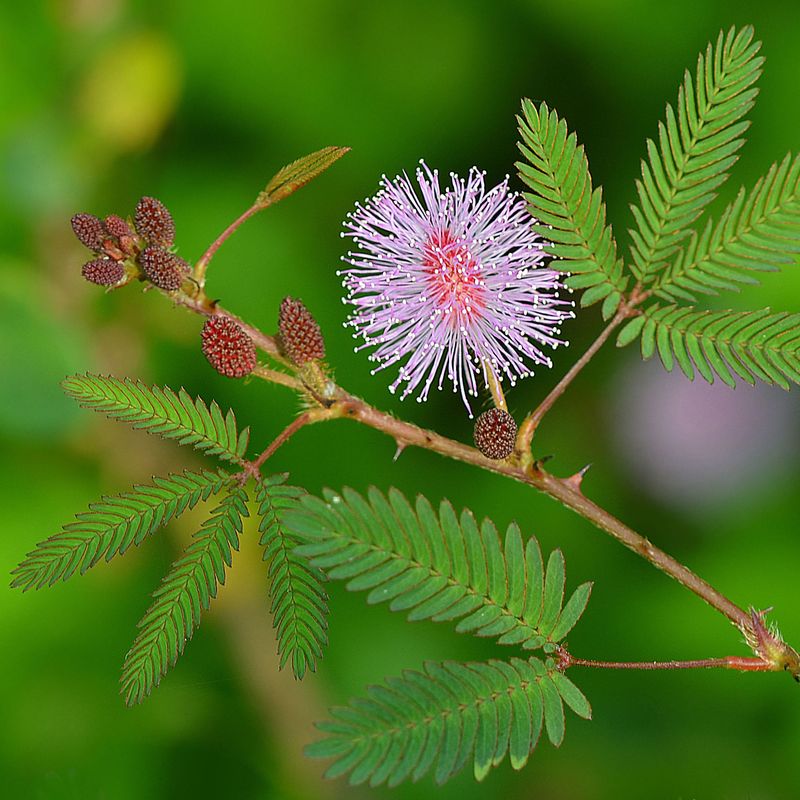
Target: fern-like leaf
(755, 345)
(185, 592)
(297, 174)
(446, 716)
(570, 213)
(759, 231)
(162, 412)
(698, 143)
(299, 601)
(443, 568)
(112, 525)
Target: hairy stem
(306, 418)
(199, 272)
(339, 403)
(531, 422)
(740, 663)
(558, 488)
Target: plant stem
(495, 387)
(740, 663)
(406, 433)
(273, 376)
(557, 488)
(200, 267)
(521, 467)
(306, 418)
(531, 422)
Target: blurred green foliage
(102, 101)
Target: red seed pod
(162, 268)
(89, 230)
(495, 434)
(227, 347)
(301, 337)
(154, 222)
(103, 271)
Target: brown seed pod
(89, 230)
(154, 222)
(301, 337)
(162, 268)
(103, 271)
(227, 347)
(495, 434)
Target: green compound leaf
(162, 412)
(759, 231)
(185, 592)
(297, 174)
(299, 601)
(571, 214)
(446, 716)
(443, 568)
(112, 525)
(697, 144)
(755, 345)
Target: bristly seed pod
(89, 230)
(163, 269)
(154, 222)
(495, 434)
(228, 348)
(301, 338)
(103, 271)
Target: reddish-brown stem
(531, 422)
(558, 488)
(200, 267)
(306, 418)
(740, 663)
(521, 467)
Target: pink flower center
(454, 277)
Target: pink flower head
(449, 284)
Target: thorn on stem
(575, 481)
(400, 447)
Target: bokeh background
(102, 101)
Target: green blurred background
(102, 101)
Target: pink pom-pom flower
(448, 283)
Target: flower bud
(301, 337)
(495, 434)
(162, 268)
(103, 271)
(227, 347)
(89, 230)
(154, 222)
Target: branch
(531, 422)
(199, 272)
(339, 403)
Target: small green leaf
(185, 592)
(299, 601)
(441, 718)
(297, 174)
(112, 525)
(442, 568)
(162, 412)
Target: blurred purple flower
(446, 282)
(691, 444)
